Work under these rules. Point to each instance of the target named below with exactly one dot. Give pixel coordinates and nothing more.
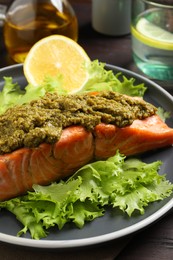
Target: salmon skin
(22, 168)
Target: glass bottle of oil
(26, 22)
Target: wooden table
(156, 241)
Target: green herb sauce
(44, 119)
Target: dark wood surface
(156, 241)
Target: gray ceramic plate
(113, 224)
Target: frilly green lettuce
(128, 184)
(98, 79)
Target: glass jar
(152, 37)
(26, 22)
(111, 17)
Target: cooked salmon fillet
(141, 136)
(22, 168)
(50, 138)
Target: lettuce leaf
(163, 114)
(128, 184)
(98, 79)
(12, 94)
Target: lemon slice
(55, 55)
(153, 35)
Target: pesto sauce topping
(44, 119)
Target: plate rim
(75, 243)
(81, 242)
